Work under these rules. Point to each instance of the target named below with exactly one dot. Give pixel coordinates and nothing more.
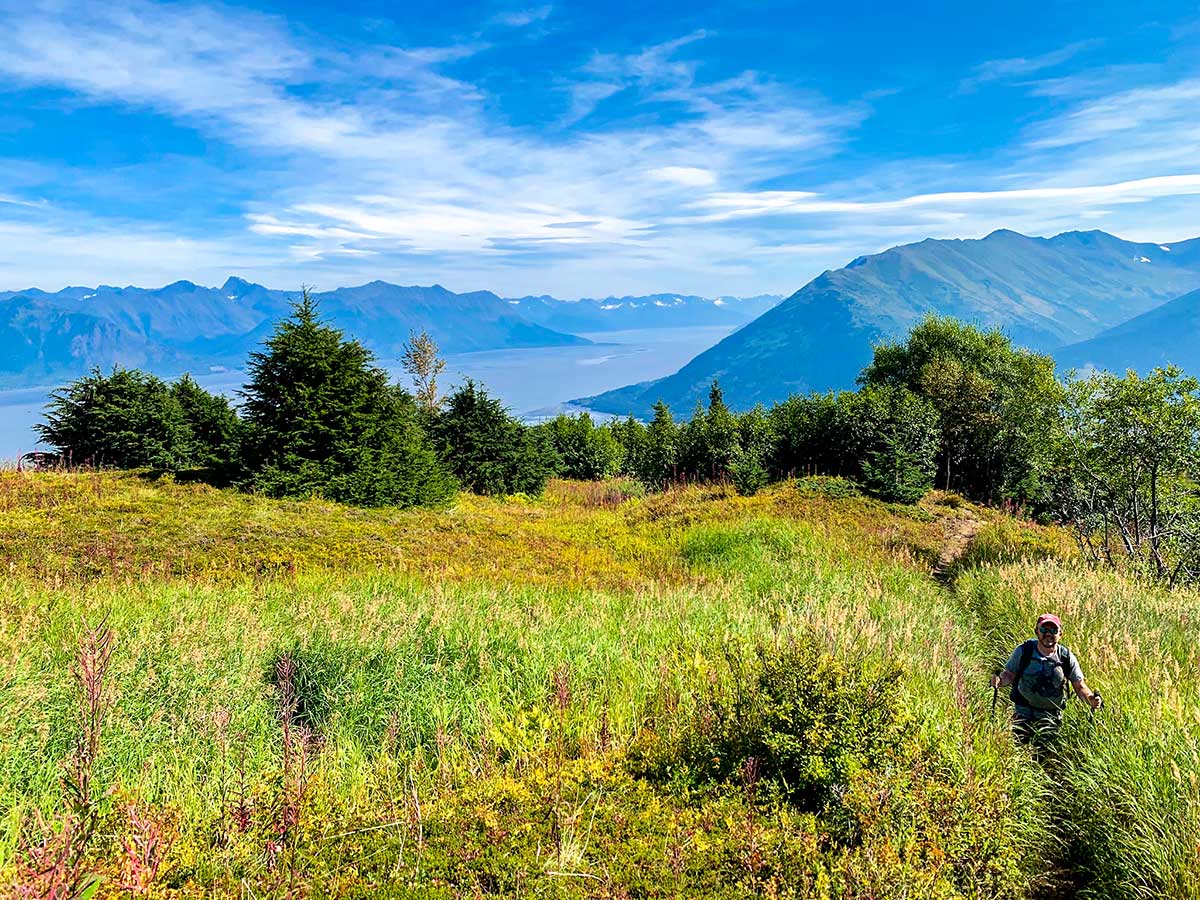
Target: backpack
(1064, 660)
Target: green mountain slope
(1044, 292)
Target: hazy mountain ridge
(651, 311)
(1166, 335)
(49, 337)
(1044, 292)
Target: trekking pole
(995, 693)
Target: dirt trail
(959, 533)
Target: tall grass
(424, 704)
(1129, 788)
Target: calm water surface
(533, 383)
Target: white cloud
(688, 176)
(1020, 66)
(765, 203)
(521, 17)
(1124, 113)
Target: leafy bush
(805, 720)
(584, 451)
(831, 487)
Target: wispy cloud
(1022, 66)
(1124, 112)
(766, 203)
(386, 158)
(688, 176)
(519, 18)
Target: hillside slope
(1167, 335)
(449, 703)
(1044, 292)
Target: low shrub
(804, 720)
(829, 486)
(1006, 541)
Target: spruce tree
(322, 419)
(126, 419)
(211, 422)
(488, 450)
(657, 466)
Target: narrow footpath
(1063, 880)
(959, 532)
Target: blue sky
(578, 149)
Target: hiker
(1040, 671)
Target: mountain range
(51, 337)
(1088, 298)
(1047, 294)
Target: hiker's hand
(1095, 702)
(995, 681)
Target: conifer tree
(211, 421)
(488, 450)
(322, 419)
(657, 467)
(126, 419)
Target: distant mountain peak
(235, 285)
(1003, 233)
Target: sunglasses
(1048, 629)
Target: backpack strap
(1064, 656)
(1022, 665)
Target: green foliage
(393, 464)
(806, 721)
(658, 462)
(213, 425)
(129, 419)
(309, 391)
(488, 450)
(756, 439)
(1130, 455)
(900, 442)
(709, 444)
(999, 406)
(810, 436)
(584, 451)
(630, 435)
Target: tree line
(950, 405)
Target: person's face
(1048, 634)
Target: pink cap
(1049, 617)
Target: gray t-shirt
(1042, 685)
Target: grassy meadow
(594, 693)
